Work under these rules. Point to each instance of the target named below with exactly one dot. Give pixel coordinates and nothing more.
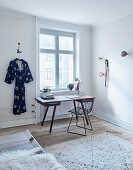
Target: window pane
(65, 70)
(47, 41)
(65, 43)
(47, 71)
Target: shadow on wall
(119, 92)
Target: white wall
(114, 103)
(15, 29)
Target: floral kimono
(21, 75)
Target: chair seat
(79, 111)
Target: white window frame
(56, 51)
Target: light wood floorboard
(59, 133)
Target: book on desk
(47, 96)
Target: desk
(57, 100)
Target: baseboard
(8, 119)
(114, 120)
(14, 123)
(62, 116)
(25, 120)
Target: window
(57, 59)
(48, 73)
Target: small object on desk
(46, 90)
(47, 96)
(76, 84)
(70, 86)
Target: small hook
(100, 58)
(124, 53)
(18, 51)
(101, 74)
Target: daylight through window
(57, 59)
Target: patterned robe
(21, 77)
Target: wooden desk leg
(75, 109)
(45, 115)
(84, 113)
(52, 119)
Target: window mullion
(57, 62)
(46, 51)
(74, 57)
(65, 52)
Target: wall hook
(101, 74)
(18, 50)
(100, 58)
(124, 53)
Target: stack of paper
(48, 96)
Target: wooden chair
(84, 110)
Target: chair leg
(69, 124)
(90, 123)
(84, 127)
(77, 120)
(77, 126)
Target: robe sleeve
(10, 74)
(28, 75)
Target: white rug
(97, 152)
(28, 160)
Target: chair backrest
(88, 103)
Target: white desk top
(63, 98)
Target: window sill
(62, 92)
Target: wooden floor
(59, 133)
